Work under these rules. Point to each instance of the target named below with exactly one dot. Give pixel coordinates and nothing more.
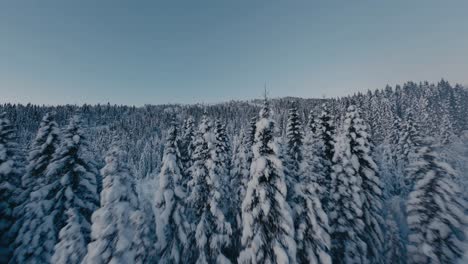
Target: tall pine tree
(268, 234)
(310, 221)
(436, 211)
(74, 185)
(325, 133)
(356, 213)
(10, 187)
(211, 231)
(170, 204)
(35, 238)
(71, 247)
(112, 229)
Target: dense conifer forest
(375, 177)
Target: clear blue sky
(138, 52)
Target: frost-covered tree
(268, 234)
(311, 224)
(31, 243)
(310, 221)
(71, 247)
(436, 211)
(41, 153)
(394, 248)
(446, 129)
(294, 151)
(144, 237)
(150, 158)
(314, 162)
(371, 186)
(222, 164)
(72, 175)
(211, 232)
(240, 174)
(356, 213)
(325, 134)
(170, 204)
(186, 147)
(408, 144)
(251, 131)
(391, 175)
(112, 230)
(9, 186)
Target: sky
(207, 51)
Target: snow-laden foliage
(268, 229)
(71, 247)
(10, 189)
(396, 116)
(210, 230)
(356, 212)
(112, 230)
(389, 159)
(149, 162)
(408, 144)
(32, 243)
(186, 147)
(294, 151)
(41, 152)
(251, 131)
(310, 221)
(144, 237)
(73, 188)
(240, 173)
(394, 246)
(170, 204)
(325, 137)
(222, 164)
(436, 211)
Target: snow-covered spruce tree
(446, 129)
(372, 190)
(436, 211)
(73, 184)
(325, 133)
(294, 156)
(392, 177)
(268, 234)
(171, 229)
(31, 223)
(240, 174)
(346, 223)
(227, 186)
(186, 147)
(408, 144)
(408, 141)
(314, 161)
(10, 189)
(394, 248)
(144, 237)
(210, 231)
(251, 131)
(150, 158)
(112, 229)
(356, 196)
(222, 163)
(71, 247)
(310, 221)
(41, 152)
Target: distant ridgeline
(379, 177)
(435, 107)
